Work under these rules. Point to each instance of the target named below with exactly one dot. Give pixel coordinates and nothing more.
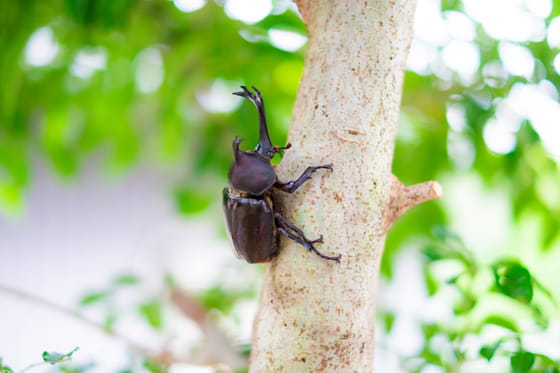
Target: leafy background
(133, 84)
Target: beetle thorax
(252, 173)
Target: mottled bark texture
(318, 315)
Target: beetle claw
(310, 247)
(327, 257)
(257, 99)
(318, 240)
(245, 92)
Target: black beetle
(252, 218)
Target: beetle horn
(265, 146)
(235, 146)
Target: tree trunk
(318, 315)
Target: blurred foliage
(100, 98)
(140, 82)
(481, 308)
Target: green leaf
(75, 368)
(432, 284)
(126, 280)
(245, 350)
(152, 312)
(430, 330)
(466, 304)
(93, 298)
(539, 317)
(56, 357)
(154, 367)
(548, 363)
(11, 199)
(545, 291)
(433, 253)
(502, 322)
(4, 369)
(522, 362)
(109, 321)
(488, 351)
(218, 298)
(388, 321)
(514, 281)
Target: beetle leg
(307, 244)
(291, 186)
(288, 146)
(299, 236)
(288, 224)
(278, 149)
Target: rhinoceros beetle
(252, 218)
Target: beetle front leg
(291, 186)
(299, 236)
(278, 149)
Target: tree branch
(315, 315)
(219, 351)
(403, 198)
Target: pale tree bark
(318, 315)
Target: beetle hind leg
(307, 244)
(293, 232)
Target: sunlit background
(116, 122)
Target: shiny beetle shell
(251, 227)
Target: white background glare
(553, 37)
(42, 48)
(462, 57)
(248, 11)
(459, 26)
(499, 136)
(540, 8)
(88, 61)
(286, 40)
(218, 98)
(517, 59)
(149, 70)
(509, 19)
(538, 104)
(189, 5)
(556, 63)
